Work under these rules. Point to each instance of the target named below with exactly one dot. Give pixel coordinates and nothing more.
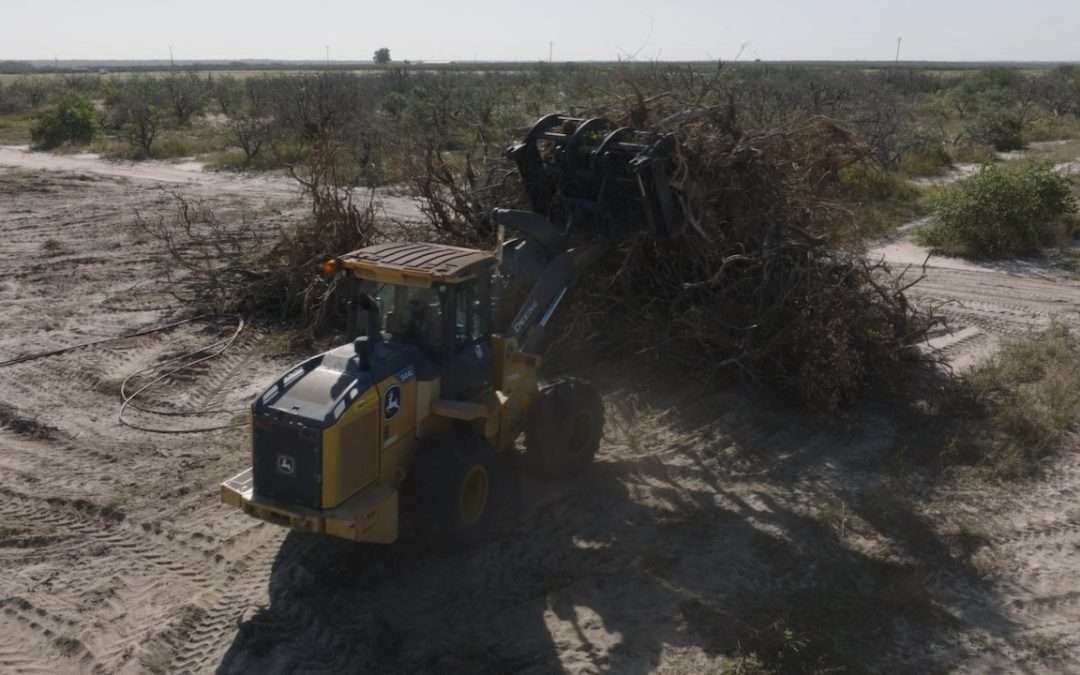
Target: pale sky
(951, 30)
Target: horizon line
(369, 63)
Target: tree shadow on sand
(695, 540)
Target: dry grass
(932, 161)
(1054, 153)
(1053, 128)
(15, 129)
(1031, 390)
(972, 153)
(881, 200)
(1003, 418)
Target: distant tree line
(402, 120)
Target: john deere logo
(392, 402)
(286, 465)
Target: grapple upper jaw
(593, 181)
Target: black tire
(448, 471)
(564, 428)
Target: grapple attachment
(589, 185)
(591, 180)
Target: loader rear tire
(564, 428)
(455, 485)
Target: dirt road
(1019, 610)
(710, 527)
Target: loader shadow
(670, 558)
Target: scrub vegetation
(786, 173)
(1001, 212)
(802, 523)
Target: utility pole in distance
(899, 41)
(551, 50)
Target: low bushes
(999, 212)
(73, 120)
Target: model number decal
(406, 375)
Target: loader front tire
(564, 428)
(455, 485)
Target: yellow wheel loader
(415, 406)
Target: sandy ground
(709, 526)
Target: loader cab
(433, 301)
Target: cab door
(469, 371)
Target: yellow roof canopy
(417, 264)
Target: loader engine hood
(310, 393)
(306, 425)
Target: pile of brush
(759, 284)
(767, 281)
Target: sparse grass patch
(115, 504)
(1031, 390)
(107, 146)
(972, 153)
(1005, 416)
(233, 159)
(178, 143)
(880, 200)
(172, 144)
(930, 161)
(15, 129)
(1053, 128)
(1055, 153)
(1002, 211)
(52, 247)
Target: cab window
(472, 312)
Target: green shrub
(999, 212)
(1002, 130)
(72, 120)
